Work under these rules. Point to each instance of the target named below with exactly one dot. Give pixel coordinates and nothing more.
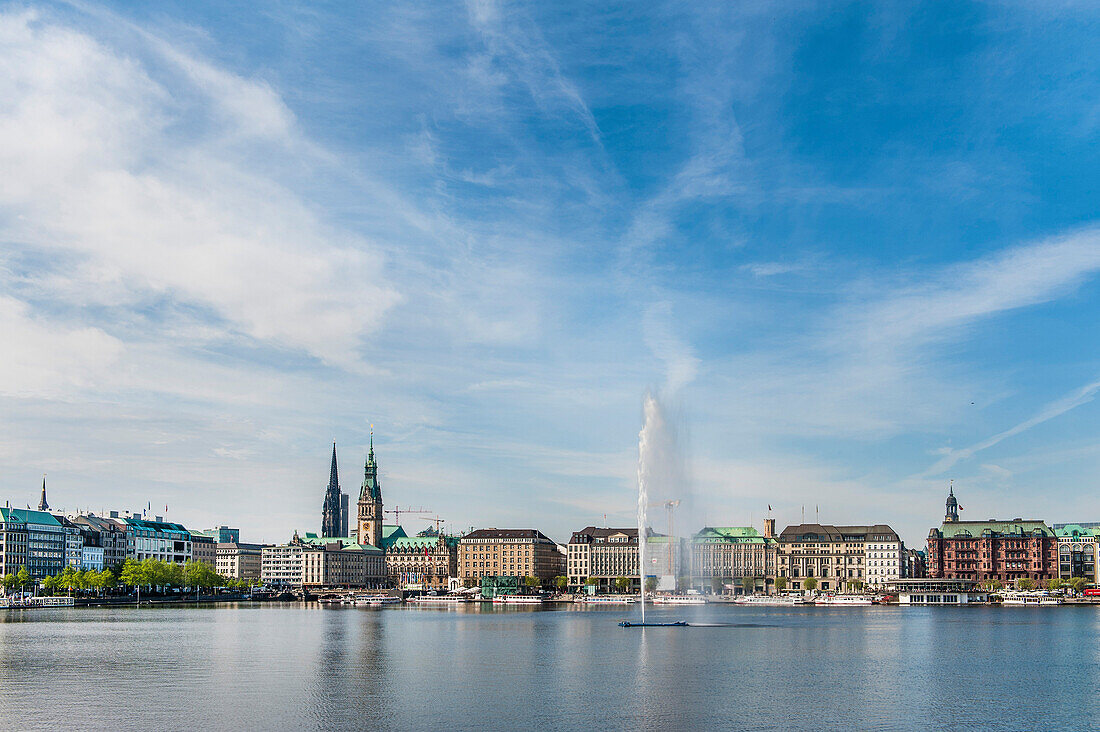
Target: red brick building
(1000, 550)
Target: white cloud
(45, 359)
(97, 165)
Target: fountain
(651, 459)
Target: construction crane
(397, 511)
(670, 506)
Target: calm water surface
(296, 666)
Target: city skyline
(856, 254)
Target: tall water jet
(647, 458)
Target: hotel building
(991, 550)
(509, 553)
(603, 555)
(839, 557)
(728, 554)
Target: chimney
(769, 528)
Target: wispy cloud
(1074, 399)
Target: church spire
(42, 505)
(330, 511)
(333, 478)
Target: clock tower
(370, 502)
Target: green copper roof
(728, 535)
(391, 533)
(951, 529)
(418, 542)
(348, 543)
(26, 515)
(1075, 530)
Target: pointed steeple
(333, 477)
(330, 510)
(42, 505)
(370, 488)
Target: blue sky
(854, 247)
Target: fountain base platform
(677, 624)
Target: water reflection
(477, 667)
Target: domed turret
(952, 506)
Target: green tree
(717, 585)
(591, 581)
(11, 581)
(748, 584)
(1054, 584)
(810, 583)
(855, 585)
(561, 582)
(92, 580)
(23, 577)
(622, 584)
(1026, 584)
(66, 579)
(531, 581)
(131, 574)
(650, 584)
(780, 584)
(107, 579)
(1078, 584)
(50, 583)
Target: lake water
(293, 666)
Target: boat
(769, 600)
(1029, 599)
(517, 600)
(676, 624)
(606, 600)
(843, 600)
(437, 599)
(377, 600)
(679, 600)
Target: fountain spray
(647, 445)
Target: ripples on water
(306, 666)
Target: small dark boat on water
(677, 624)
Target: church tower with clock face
(370, 502)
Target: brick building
(991, 550)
